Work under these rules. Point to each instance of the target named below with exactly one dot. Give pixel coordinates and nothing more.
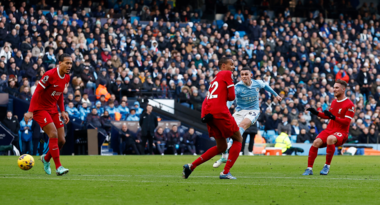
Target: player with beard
(43, 109)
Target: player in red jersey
(43, 109)
(220, 123)
(341, 112)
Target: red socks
(313, 152)
(210, 153)
(53, 152)
(48, 156)
(232, 157)
(330, 153)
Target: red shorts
(223, 126)
(340, 136)
(43, 117)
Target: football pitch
(157, 180)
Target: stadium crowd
(172, 54)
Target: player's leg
(330, 150)
(243, 120)
(61, 141)
(234, 154)
(313, 152)
(224, 157)
(221, 146)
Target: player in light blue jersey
(247, 93)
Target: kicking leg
(313, 152)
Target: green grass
(157, 180)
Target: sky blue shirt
(247, 97)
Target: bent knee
(317, 142)
(331, 140)
(62, 141)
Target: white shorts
(252, 115)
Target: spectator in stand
(160, 140)
(111, 109)
(173, 139)
(284, 126)
(138, 109)
(364, 137)
(99, 108)
(106, 121)
(189, 140)
(102, 90)
(148, 122)
(272, 122)
(127, 140)
(72, 111)
(84, 110)
(184, 96)
(123, 110)
(11, 122)
(12, 88)
(89, 79)
(133, 116)
(26, 136)
(94, 119)
(25, 94)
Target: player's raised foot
(325, 170)
(186, 171)
(226, 176)
(219, 162)
(62, 171)
(308, 172)
(46, 164)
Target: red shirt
(342, 109)
(218, 94)
(49, 91)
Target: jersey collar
(62, 77)
(341, 100)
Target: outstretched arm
(269, 89)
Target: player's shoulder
(51, 72)
(225, 73)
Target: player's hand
(279, 98)
(65, 117)
(313, 111)
(28, 116)
(329, 114)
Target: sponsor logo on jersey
(45, 120)
(352, 109)
(55, 85)
(339, 110)
(55, 93)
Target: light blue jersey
(247, 97)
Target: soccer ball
(25, 162)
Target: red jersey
(342, 109)
(218, 94)
(49, 91)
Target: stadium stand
(128, 51)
